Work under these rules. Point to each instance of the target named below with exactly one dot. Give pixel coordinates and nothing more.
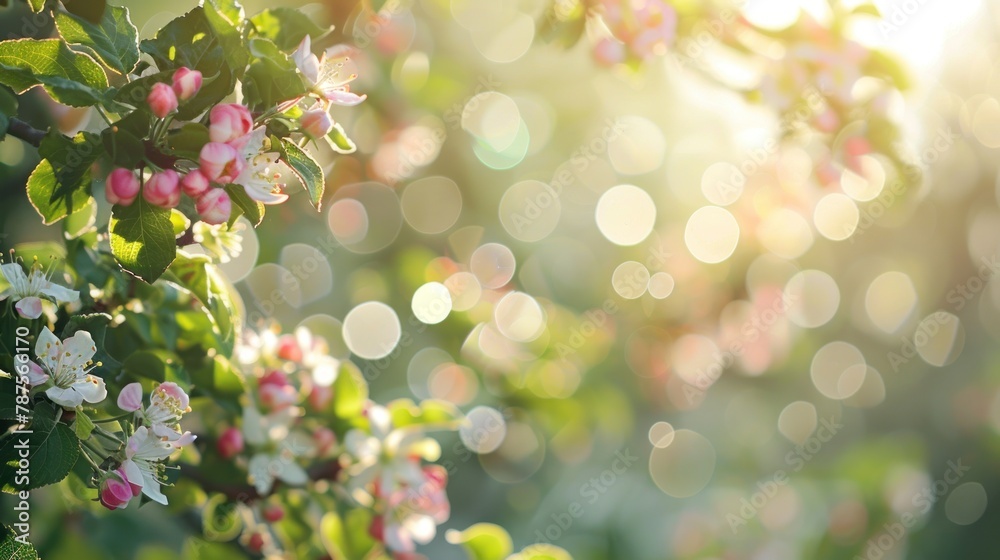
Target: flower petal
(61, 294)
(69, 398)
(292, 473)
(29, 307)
(91, 388)
(264, 195)
(130, 398)
(13, 272)
(36, 376)
(341, 97)
(259, 470)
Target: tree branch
(246, 493)
(20, 129)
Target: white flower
(387, 455)
(144, 456)
(257, 177)
(273, 430)
(330, 74)
(66, 364)
(167, 403)
(28, 289)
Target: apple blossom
(275, 390)
(27, 290)
(327, 75)
(143, 465)
(214, 206)
(116, 491)
(163, 189)
(66, 364)
(186, 83)
(220, 162)
(257, 177)
(229, 122)
(195, 183)
(122, 187)
(162, 100)
(316, 123)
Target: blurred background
(727, 296)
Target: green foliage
(306, 169)
(349, 391)
(142, 239)
(13, 549)
(338, 141)
(60, 185)
(69, 77)
(272, 77)
(114, 40)
(52, 450)
(193, 41)
(243, 205)
(483, 541)
(286, 27)
(197, 275)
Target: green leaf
(52, 450)
(91, 10)
(142, 239)
(82, 425)
(37, 5)
(483, 541)
(13, 549)
(429, 414)
(887, 66)
(69, 77)
(226, 17)
(158, 365)
(82, 221)
(114, 40)
(220, 379)
(542, 551)
(188, 140)
(180, 222)
(60, 184)
(192, 41)
(123, 140)
(306, 169)
(221, 519)
(285, 27)
(197, 274)
(252, 209)
(339, 142)
(272, 77)
(333, 536)
(350, 391)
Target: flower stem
(112, 419)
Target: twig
(20, 129)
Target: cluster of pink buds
(163, 99)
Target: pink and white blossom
(66, 364)
(27, 290)
(329, 74)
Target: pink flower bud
(116, 491)
(230, 443)
(273, 513)
(320, 396)
(325, 440)
(214, 206)
(288, 348)
(162, 100)
(275, 391)
(256, 542)
(229, 122)
(316, 123)
(274, 377)
(163, 189)
(195, 183)
(122, 187)
(187, 82)
(220, 162)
